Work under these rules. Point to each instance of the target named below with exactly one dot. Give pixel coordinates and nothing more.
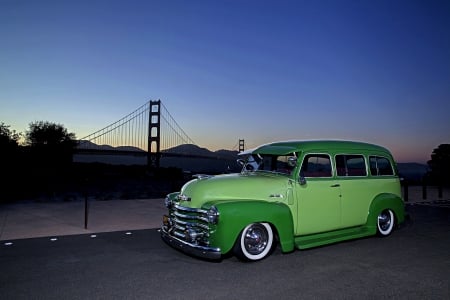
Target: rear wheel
(255, 242)
(385, 222)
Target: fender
(235, 215)
(381, 202)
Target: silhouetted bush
(440, 165)
(9, 162)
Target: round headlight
(213, 215)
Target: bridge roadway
(144, 153)
(413, 263)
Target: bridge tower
(154, 139)
(241, 145)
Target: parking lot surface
(412, 263)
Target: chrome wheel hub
(256, 239)
(384, 220)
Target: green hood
(232, 187)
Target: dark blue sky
(376, 71)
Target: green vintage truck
(295, 194)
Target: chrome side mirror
(241, 162)
(292, 161)
(245, 165)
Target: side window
(380, 166)
(316, 165)
(350, 165)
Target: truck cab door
(318, 196)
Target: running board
(319, 239)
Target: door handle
(336, 185)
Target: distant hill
(90, 145)
(204, 161)
(190, 149)
(412, 172)
(187, 149)
(129, 148)
(227, 153)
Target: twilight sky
(374, 71)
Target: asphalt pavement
(412, 263)
(47, 252)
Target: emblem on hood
(276, 196)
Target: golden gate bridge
(149, 131)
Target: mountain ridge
(411, 171)
(188, 149)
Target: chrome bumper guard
(196, 250)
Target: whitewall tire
(385, 222)
(255, 242)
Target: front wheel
(385, 222)
(255, 242)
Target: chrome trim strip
(189, 217)
(201, 176)
(180, 235)
(179, 223)
(196, 250)
(189, 209)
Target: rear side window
(380, 166)
(316, 165)
(350, 165)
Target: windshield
(283, 164)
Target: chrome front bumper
(196, 250)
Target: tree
(440, 164)
(48, 155)
(9, 161)
(51, 142)
(9, 139)
(48, 134)
(9, 146)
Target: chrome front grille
(190, 224)
(190, 216)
